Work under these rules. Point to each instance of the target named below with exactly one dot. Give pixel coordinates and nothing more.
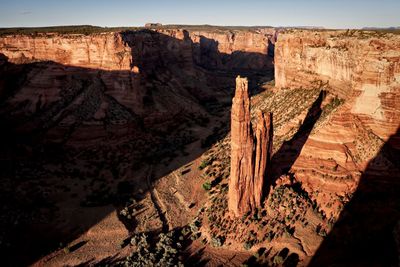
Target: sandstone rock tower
(250, 155)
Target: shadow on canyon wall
(283, 159)
(67, 154)
(367, 232)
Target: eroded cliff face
(113, 51)
(183, 63)
(362, 67)
(99, 51)
(347, 163)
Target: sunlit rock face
(250, 153)
(362, 67)
(241, 184)
(100, 51)
(263, 152)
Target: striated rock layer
(348, 163)
(101, 51)
(250, 153)
(362, 67)
(211, 49)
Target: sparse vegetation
(206, 186)
(217, 241)
(278, 260)
(164, 253)
(247, 245)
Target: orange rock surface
(105, 51)
(249, 153)
(362, 67)
(264, 135)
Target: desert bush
(278, 260)
(248, 245)
(217, 241)
(205, 163)
(206, 186)
(66, 250)
(164, 253)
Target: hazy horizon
(338, 14)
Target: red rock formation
(229, 49)
(225, 49)
(249, 154)
(264, 133)
(361, 66)
(105, 51)
(241, 183)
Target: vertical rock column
(242, 165)
(250, 155)
(263, 150)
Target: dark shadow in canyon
(283, 159)
(71, 157)
(367, 232)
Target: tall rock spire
(249, 154)
(240, 184)
(263, 150)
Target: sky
(110, 13)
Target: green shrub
(278, 260)
(204, 164)
(217, 241)
(247, 245)
(207, 186)
(66, 250)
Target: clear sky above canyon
(330, 14)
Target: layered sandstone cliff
(230, 50)
(99, 51)
(132, 64)
(346, 163)
(250, 153)
(211, 49)
(362, 67)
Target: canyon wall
(230, 49)
(99, 51)
(140, 84)
(360, 66)
(128, 62)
